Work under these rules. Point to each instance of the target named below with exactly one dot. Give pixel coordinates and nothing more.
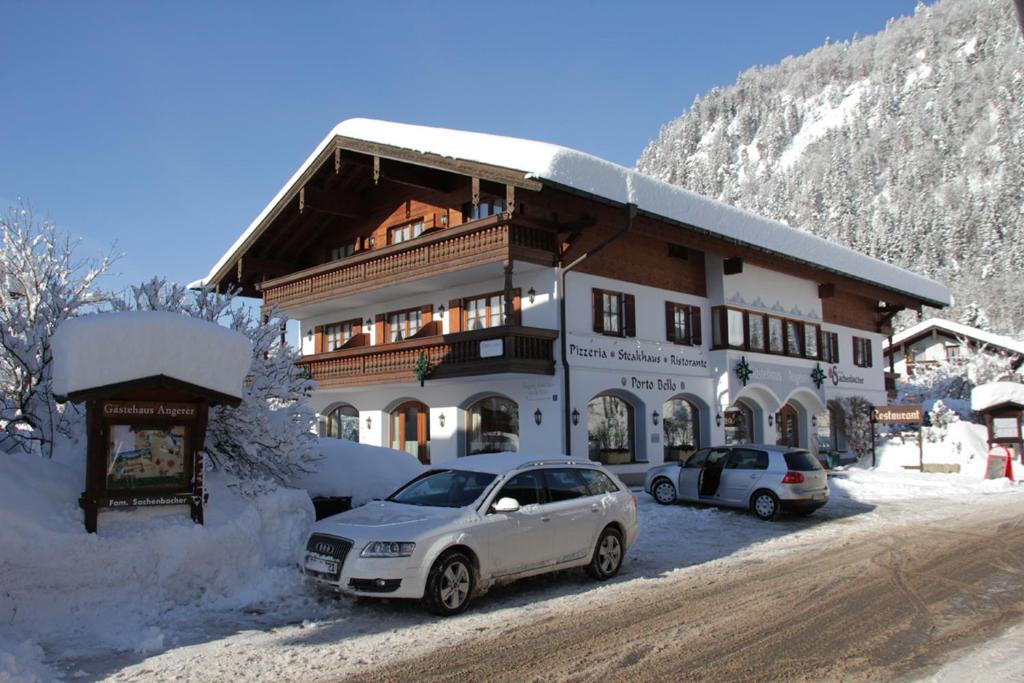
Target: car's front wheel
(664, 492)
(765, 505)
(450, 584)
(607, 558)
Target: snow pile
(592, 175)
(22, 662)
(965, 444)
(59, 584)
(108, 348)
(346, 468)
(996, 393)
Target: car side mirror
(506, 505)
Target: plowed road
(875, 606)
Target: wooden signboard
(897, 414)
(144, 453)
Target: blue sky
(164, 128)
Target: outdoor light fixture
(718, 420)
(369, 423)
(369, 322)
(654, 417)
(532, 294)
(814, 420)
(575, 416)
(538, 416)
(440, 419)
(440, 310)
(770, 416)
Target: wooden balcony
(528, 350)
(490, 240)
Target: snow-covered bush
(268, 437)
(855, 423)
(42, 283)
(941, 418)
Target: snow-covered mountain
(907, 145)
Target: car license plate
(819, 496)
(319, 564)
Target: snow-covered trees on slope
(954, 379)
(269, 436)
(41, 284)
(907, 145)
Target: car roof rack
(539, 463)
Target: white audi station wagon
(454, 531)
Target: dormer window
(343, 251)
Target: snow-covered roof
(594, 176)
(957, 330)
(996, 393)
(110, 348)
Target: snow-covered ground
(145, 620)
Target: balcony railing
(490, 240)
(479, 352)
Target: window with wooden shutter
(695, 337)
(598, 310)
(629, 313)
(670, 322)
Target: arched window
(739, 424)
(681, 429)
(492, 426)
(341, 422)
(610, 430)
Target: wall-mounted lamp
(369, 422)
(532, 294)
(814, 420)
(309, 334)
(440, 311)
(654, 417)
(770, 418)
(718, 420)
(575, 417)
(369, 323)
(538, 416)
(440, 419)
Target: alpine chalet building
(460, 293)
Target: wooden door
(789, 427)
(410, 430)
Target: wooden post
(510, 313)
(920, 447)
(872, 441)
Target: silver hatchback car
(765, 479)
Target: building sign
(1005, 428)
(492, 348)
(629, 354)
(839, 377)
(904, 414)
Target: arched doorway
(680, 429)
(788, 423)
(341, 422)
(739, 423)
(492, 426)
(610, 430)
(410, 430)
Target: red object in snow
(995, 469)
(1008, 470)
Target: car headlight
(388, 549)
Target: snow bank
(994, 393)
(108, 348)
(346, 468)
(592, 175)
(966, 445)
(59, 584)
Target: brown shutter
(318, 339)
(834, 340)
(455, 316)
(598, 306)
(378, 328)
(867, 353)
(670, 321)
(695, 337)
(629, 310)
(426, 315)
(517, 306)
(357, 327)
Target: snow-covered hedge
(345, 468)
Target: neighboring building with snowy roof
(554, 300)
(935, 340)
